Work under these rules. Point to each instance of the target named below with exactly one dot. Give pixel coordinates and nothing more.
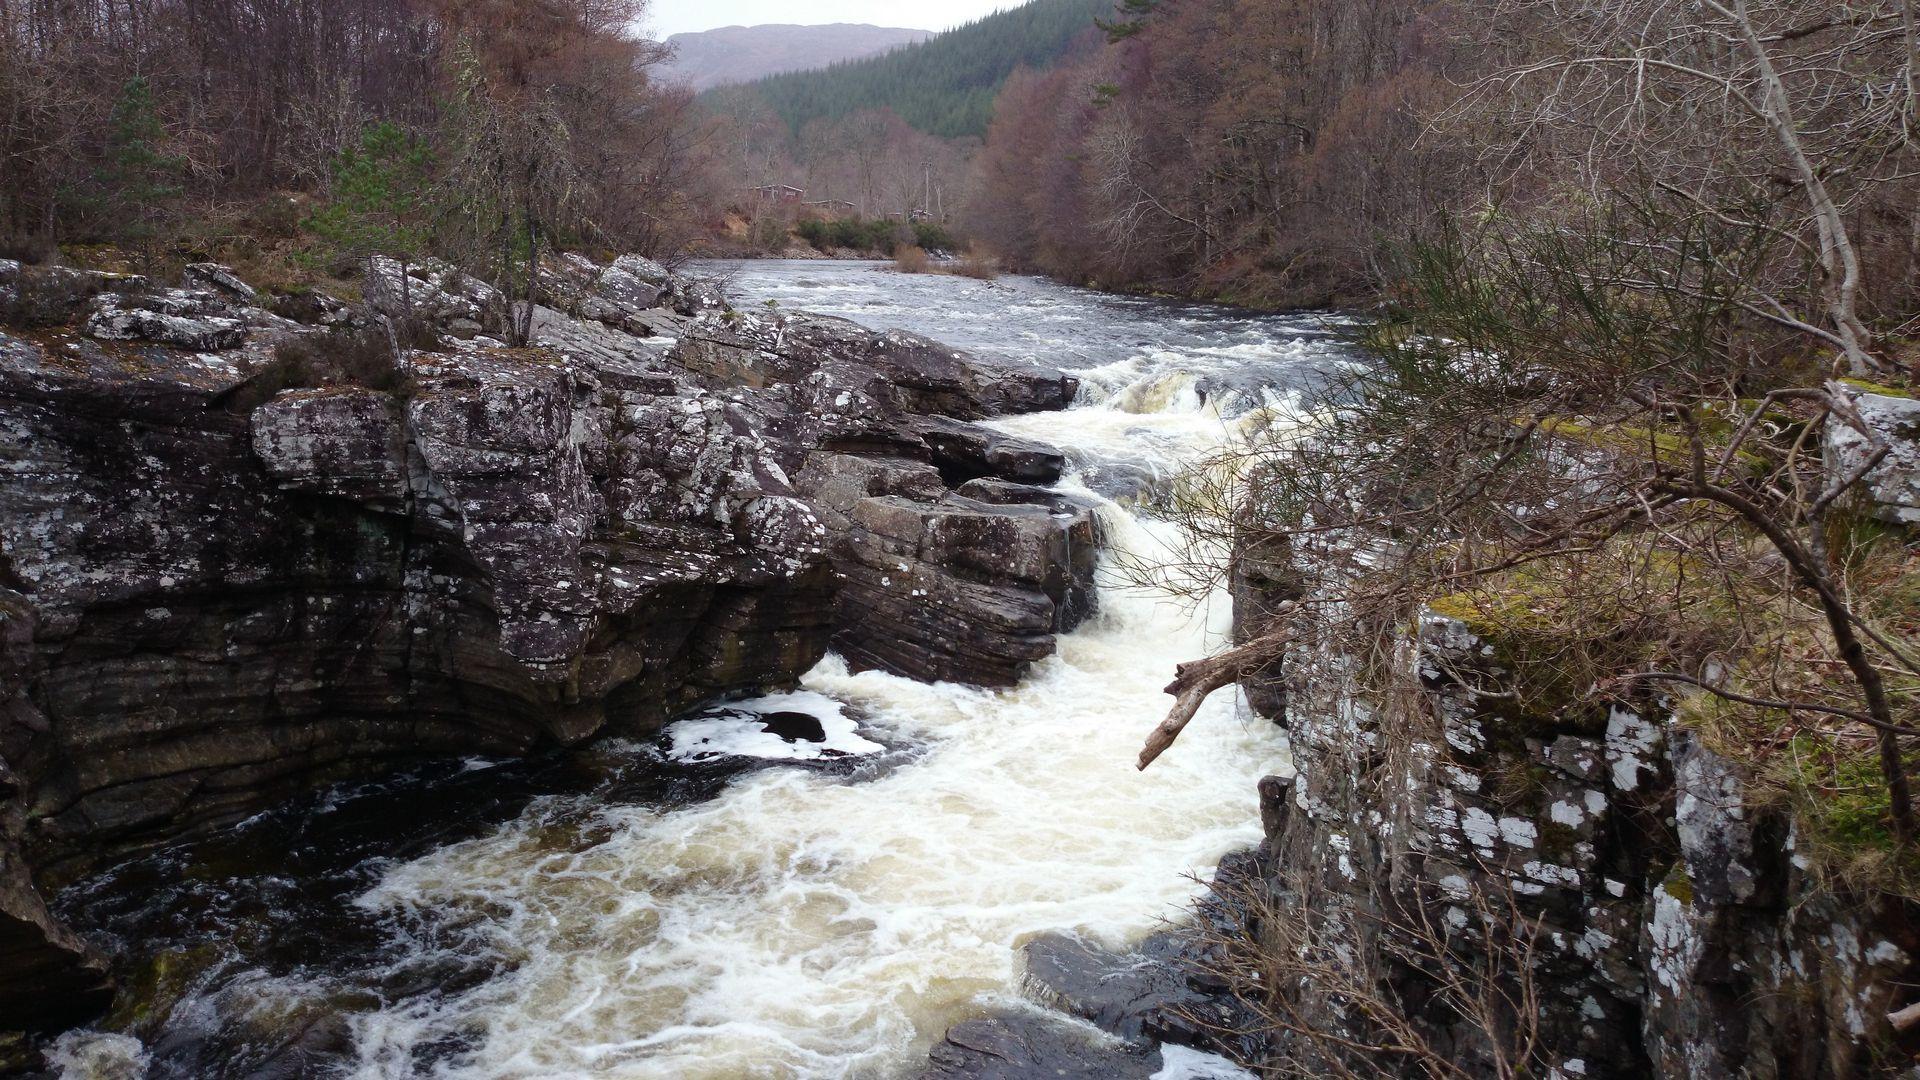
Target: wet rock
(1142, 996)
(1166, 989)
(48, 977)
(941, 587)
(1022, 1047)
(520, 549)
(936, 585)
(964, 452)
(1263, 579)
(846, 363)
(342, 579)
(499, 550)
(52, 978)
(1008, 493)
(1276, 802)
(1137, 481)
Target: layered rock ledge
(248, 551)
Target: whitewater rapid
(832, 918)
(823, 925)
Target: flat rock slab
(1016, 1047)
(1151, 994)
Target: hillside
(735, 54)
(944, 86)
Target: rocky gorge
(248, 554)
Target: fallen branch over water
(1195, 682)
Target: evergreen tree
(1132, 20)
(138, 186)
(379, 195)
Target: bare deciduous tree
(1780, 116)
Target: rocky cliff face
(1671, 930)
(246, 553)
(955, 566)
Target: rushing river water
(712, 904)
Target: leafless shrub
(978, 265)
(339, 358)
(1325, 981)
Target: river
(720, 902)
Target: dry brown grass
(978, 265)
(909, 259)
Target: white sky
(669, 17)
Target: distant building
(779, 193)
(833, 206)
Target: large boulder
(180, 318)
(965, 452)
(433, 291)
(1020, 1046)
(51, 977)
(943, 587)
(1891, 488)
(213, 277)
(633, 294)
(880, 428)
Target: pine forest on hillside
(944, 87)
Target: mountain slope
(736, 54)
(944, 86)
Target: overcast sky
(678, 16)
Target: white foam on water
(804, 925)
(94, 1055)
(810, 925)
(739, 729)
(1185, 1063)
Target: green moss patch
(1667, 448)
(1868, 387)
(1841, 798)
(1559, 628)
(1678, 884)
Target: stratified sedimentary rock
(939, 585)
(247, 552)
(943, 586)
